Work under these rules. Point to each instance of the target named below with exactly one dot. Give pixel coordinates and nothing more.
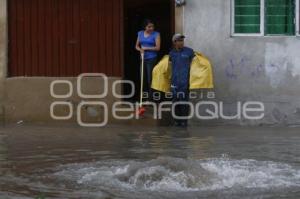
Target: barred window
(247, 16)
(280, 17)
(265, 17)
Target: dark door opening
(136, 11)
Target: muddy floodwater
(149, 163)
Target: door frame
(173, 13)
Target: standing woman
(148, 43)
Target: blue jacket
(181, 64)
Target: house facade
(253, 46)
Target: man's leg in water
(181, 110)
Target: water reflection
(163, 142)
(149, 163)
(3, 149)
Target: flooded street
(151, 163)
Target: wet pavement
(142, 162)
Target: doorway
(135, 12)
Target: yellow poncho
(201, 74)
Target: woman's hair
(147, 22)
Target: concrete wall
(3, 38)
(28, 100)
(3, 53)
(264, 69)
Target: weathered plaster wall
(3, 38)
(264, 69)
(28, 100)
(3, 53)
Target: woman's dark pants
(148, 68)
